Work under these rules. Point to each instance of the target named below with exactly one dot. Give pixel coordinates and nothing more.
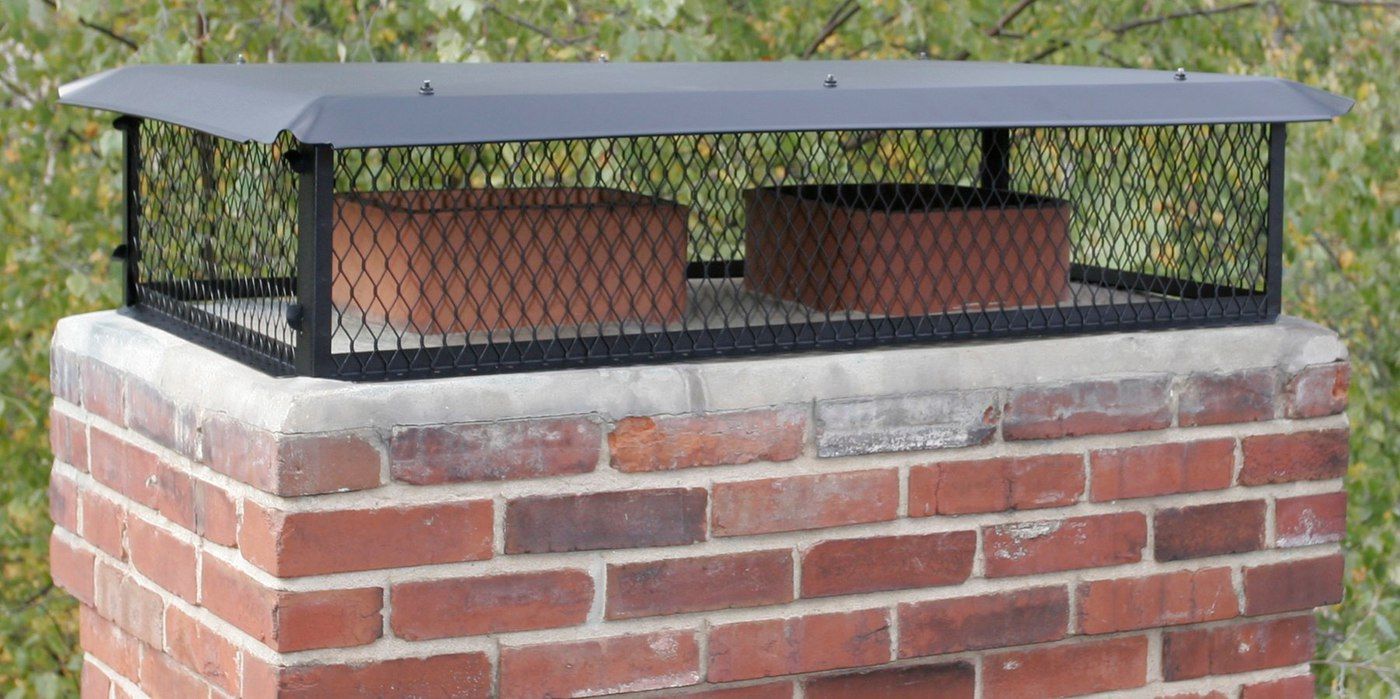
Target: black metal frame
(311, 313)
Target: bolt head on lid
(830, 80)
(426, 88)
(1180, 74)
(603, 58)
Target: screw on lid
(1180, 74)
(426, 88)
(830, 80)
(602, 58)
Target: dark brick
(617, 520)
(1209, 530)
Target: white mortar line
(1154, 656)
(792, 540)
(902, 505)
(1270, 528)
(699, 620)
(597, 613)
(401, 494)
(780, 540)
(1230, 685)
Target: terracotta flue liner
(906, 249)
(490, 259)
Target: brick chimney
(1156, 512)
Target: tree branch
(843, 13)
(1120, 30)
(1364, 3)
(531, 26)
(1128, 26)
(105, 31)
(996, 30)
(18, 91)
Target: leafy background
(59, 204)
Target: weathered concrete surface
(180, 370)
(906, 423)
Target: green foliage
(59, 203)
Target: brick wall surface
(1159, 534)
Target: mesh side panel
(524, 255)
(215, 251)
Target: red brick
(677, 585)
(805, 502)
(1227, 650)
(163, 559)
(1217, 399)
(1300, 687)
(1310, 519)
(104, 524)
(1015, 618)
(134, 608)
(493, 604)
(753, 649)
(1168, 599)
(1209, 530)
(686, 441)
(1077, 542)
(1300, 456)
(494, 451)
(143, 476)
(292, 464)
(1317, 391)
(126, 468)
(1161, 469)
(261, 679)
(161, 676)
(950, 681)
(216, 514)
(151, 413)
(617, 520)
(1067, 670)
(994, 485)
(174, 493)
(601, 666)
(1293, 585)
(456, 675)
(202, 650)
(850, 566)
(63, 501)
(71, 568)
(68, 439)
(291, 621)
(94, 682)
(291, 544)
(103, 388)
(102, 639)
(1092, 407)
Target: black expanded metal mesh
(216, 242)
(523, 255)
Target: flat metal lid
(380, 104)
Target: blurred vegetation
(59, 198)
